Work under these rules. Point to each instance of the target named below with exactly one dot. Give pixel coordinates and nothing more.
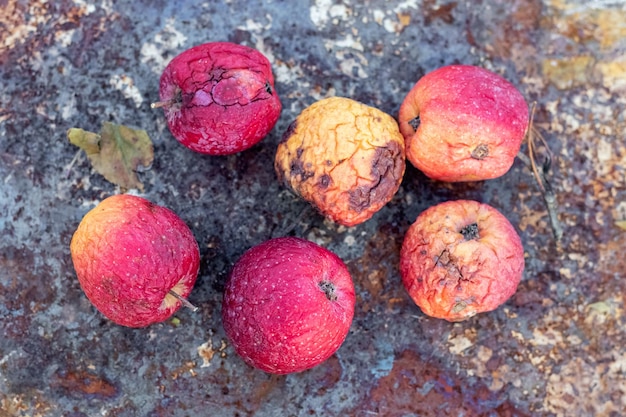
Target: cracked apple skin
(344, 157)
(463, 123)
(288, 305)
(128, 254)
(219, 98)
(461, 258)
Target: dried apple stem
(158, 104)
(184, 301)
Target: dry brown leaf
(116, 153)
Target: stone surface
(555, 349)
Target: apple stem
(184, 301)
(158, 104)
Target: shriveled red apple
(460, 258)
(136, 261)
(288, 305)
(219, 97)
(463, 123)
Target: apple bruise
(225, 88)
(449, 261)
(454, 269)
(385, 173)
(347, 159)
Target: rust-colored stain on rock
(84, 383)
(416, 386)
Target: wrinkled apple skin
(460, 258)
(344, 157)
(128, 253)
(470, 124)
(288, 305)
(221, 97)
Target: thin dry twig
(68, 168)
(545, 187)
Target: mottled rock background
(555, 349)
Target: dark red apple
(463, 123)
(288, 305)
(461, 258)
(136, 261)
(219, 98)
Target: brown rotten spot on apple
(460, 258)
(344, 157)
(219, 98)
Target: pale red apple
(460, 258)
(463, 123)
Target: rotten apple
(344, 157)
(460, 258)
(463, 123)
(219, 97)
(136, 261)
(288, 305)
